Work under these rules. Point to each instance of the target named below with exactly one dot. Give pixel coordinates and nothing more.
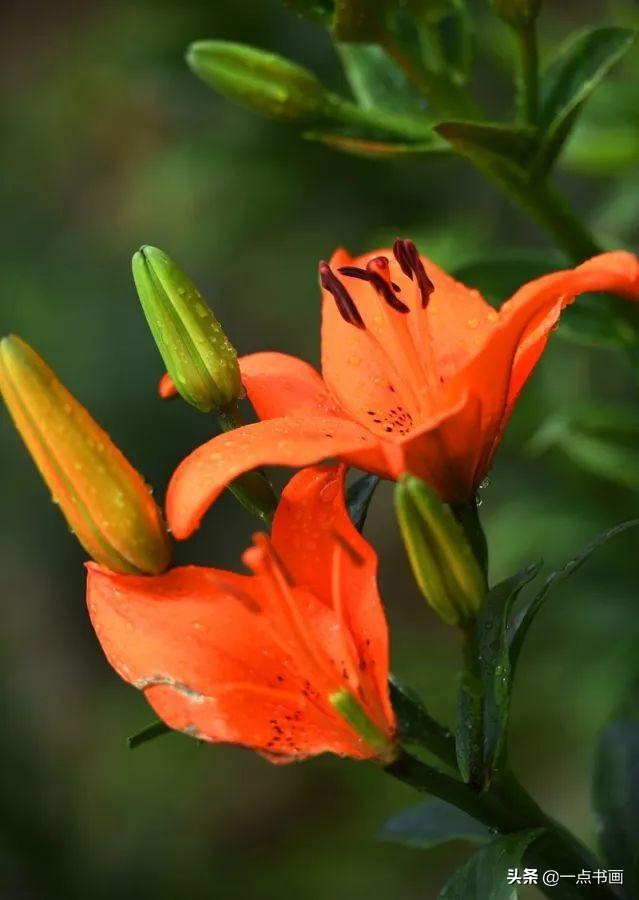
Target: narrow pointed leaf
(485, 875)
(486, 141)
(358, 498)
(377, 149)
(416, 726)
(432, 823)
(149, 733)
(602, 440)
(375, 80)
(616, 795)
(495, 663)
(526, 611)
(570, 80)
(316, 10)
(359, 20)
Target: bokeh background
(109, 142)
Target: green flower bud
(264, 82)
(518, 13)
(445, 567)
(105, 501)
(199, 358)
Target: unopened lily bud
(518, 13)
(262, 81)
(199, 357)
(105, 501)
(444, 565)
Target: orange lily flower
(266, 660)
(419, 375)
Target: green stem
(468, 517)
(505, 810)
(528, 74)
(470, 712)
(538, 199)
(252, 489)
(551, 211)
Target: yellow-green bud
(262, 81)
(518, 13)
(199, 357)
(105, 501)
(445, 567)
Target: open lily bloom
(266, 660)
(419, 375)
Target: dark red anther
(410, 263)
(377, 275)
(343, 300)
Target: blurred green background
(109, 142)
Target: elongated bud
(264, 82)
(199, 357)
(346, 705)
(517, 13)
(104, 499)
(442, 560)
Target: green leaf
(602, 440)
(527, 610)
(360, 20)
(600, 321)
(485, 875)
(490, 141)
(375, 149)
(317, 10)
(497, 277)
(568, 82)
(358, 498)
(376, 82)
(616, 794)
(432, 823)
(456, 37)
(495, 663)
(416, 726)
(150, 732)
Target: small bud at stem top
(199, 357)
(105, 501)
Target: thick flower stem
(470, 724)
(550, 210)
(506, 809)
(468, 517)
(253, 490)
(528, 74)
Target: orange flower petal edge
(419, 375)
(255, 659)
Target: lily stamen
(345, 303)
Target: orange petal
(445, 451)
(324, 552)
(617, 272)
(200, 646)
(287, 441)
(279, 385)
(385, 375)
